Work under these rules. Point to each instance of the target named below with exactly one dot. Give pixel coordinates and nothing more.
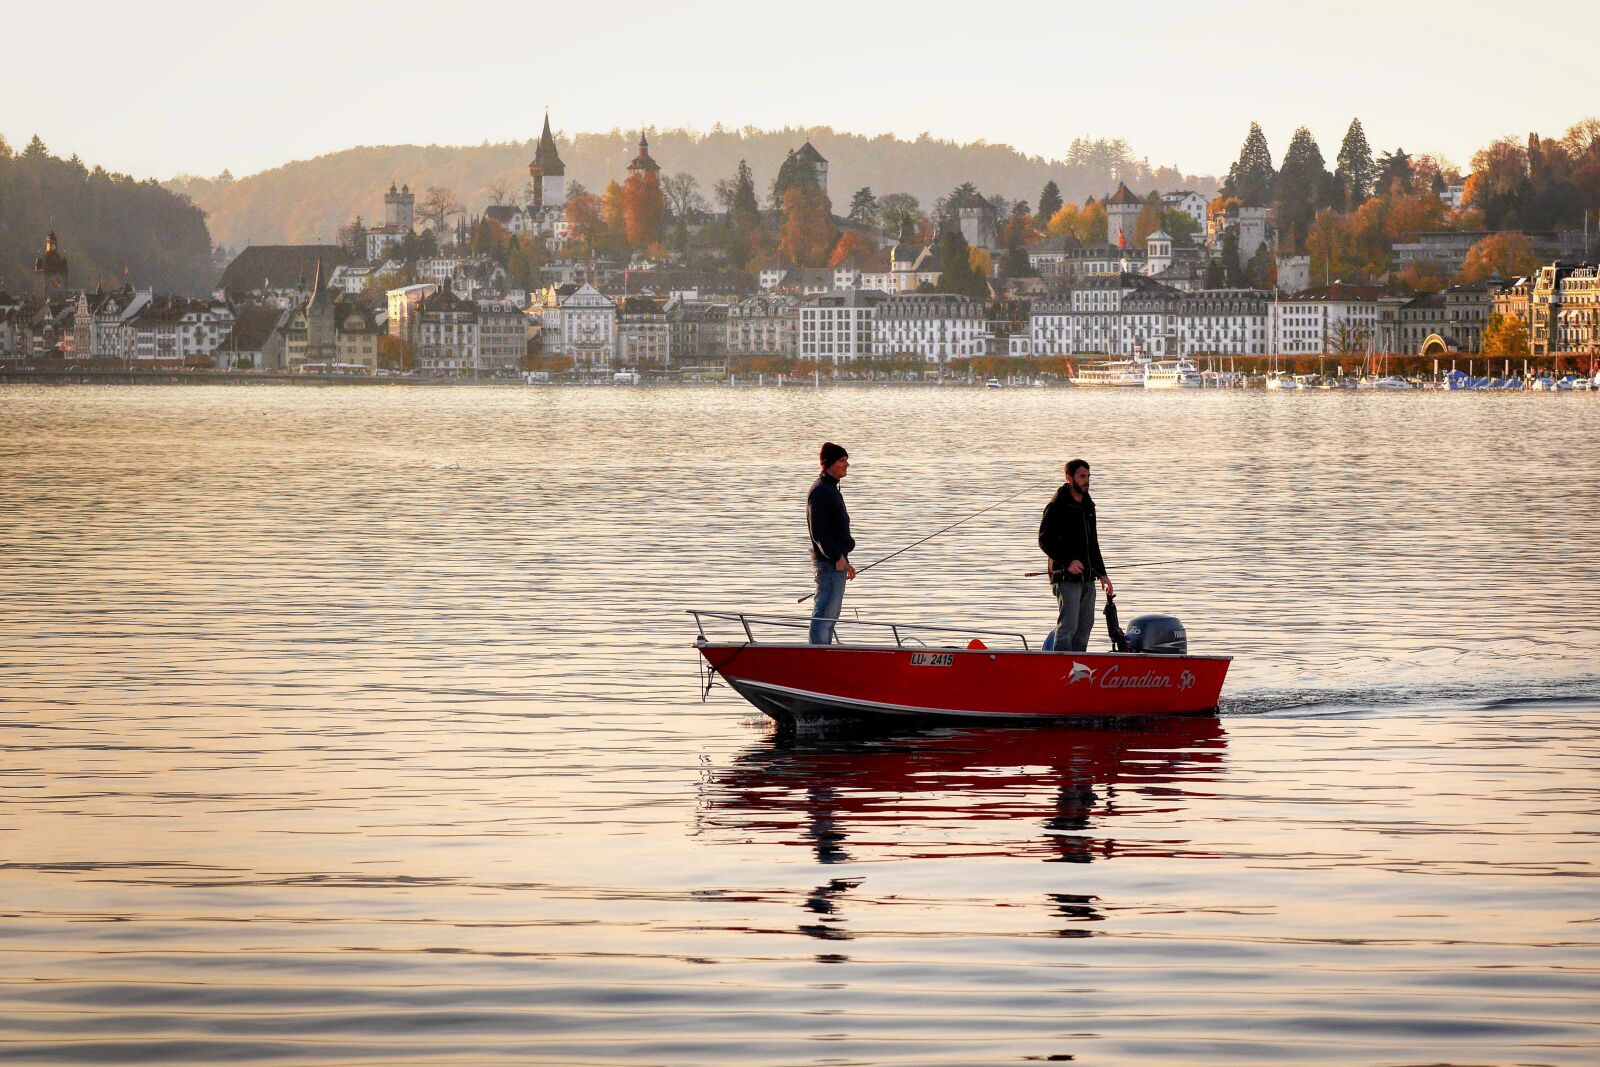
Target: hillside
(105, 223)
(309, 200)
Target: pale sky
(172, 86)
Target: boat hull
(804, 683)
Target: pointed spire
(545, 157)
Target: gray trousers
(1076, 621)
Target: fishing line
(936, 533)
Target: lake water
(363, 726)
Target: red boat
(902, 677)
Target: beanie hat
(832, 453)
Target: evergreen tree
(1250, 177)
(1355, 168)
(1300, 187)
(1049, 201)
(1394, 167)
(864, 207)
(955, 266)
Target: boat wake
(1583, 691)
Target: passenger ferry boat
(1172, 374)
(1118, 373)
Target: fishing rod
(936, 533)
(1129, 566)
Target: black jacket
(827, 521)
(1068, 532)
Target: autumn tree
(585, 219)
(1250, 177)
(615, 235)
(982, 264)
(806, 236)
(1423, 276)
(490, 238)
(1148, 221)
(1509, 255)
(1331, 246)
(851, 251)
(499, 192)
(644, 209)
(1412, 214)
(1354, 169)
(1018, 230)
(1505, 336)
(1087, 224)
(1049, 200)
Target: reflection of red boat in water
(901, 677)
(1050, 793)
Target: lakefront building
(764, 326)
(938, 327)
(839, 327)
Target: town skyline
(1119, 77)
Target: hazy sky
(172, 86)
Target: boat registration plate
(932, 659)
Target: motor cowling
(1160, 635)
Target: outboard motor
(1161, 635)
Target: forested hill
(106, 224)
(311, 199)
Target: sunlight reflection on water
(360, 725)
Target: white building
(1335, 319)
(203, 327)
(1127, 315)
(1226, 322)
(938, 327)
(839, 327)
(588, 328)
(1190, 203)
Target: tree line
(112, 228)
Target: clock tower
(50, 270)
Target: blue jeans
(1075, 623)
(830, 598)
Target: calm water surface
(362, 726)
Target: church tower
(50, 269)
(548, 173)
(642, 163)
(322, 345)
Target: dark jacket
(1068, 532)
(827, 521)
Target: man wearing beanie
(831, 544)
